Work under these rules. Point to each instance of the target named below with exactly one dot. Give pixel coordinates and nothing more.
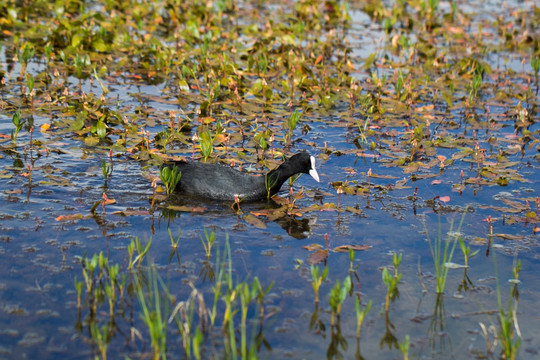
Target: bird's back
(220, 182)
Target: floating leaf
(510, 237)
(328, 207)
(250, 219)
(91, 141)
(317, 257)
(14, 191)
(451, 265)
(346, 248)
(514, 204)
(184, 208)
(354, 210)
(132, 213)
(312, 247)
(69, 217)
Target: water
(46, 227)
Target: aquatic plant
(291, 125)
(155, 310)
(392, 281)
(508, 331)
(25, 54)
(141, 251)
(17, 121)
(441, 257)
(404, 347)
(174, 243)
(360, 314)
(208, 241)
(317, 278)
(338, 294)
(206, 143)
(170, 176)
(101, 336)
(535, 64)
(466, 250)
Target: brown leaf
(262, 212)
(353, 210)
(514, 204)
(312, 247)
(328, 207)
(250, 219)
(345, 248)
(317, 257)
(184, 208)
(69, 217)
(510, 237)
(132, 212)
(280, 200)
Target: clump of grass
(184, 317)
(441, 257)
(508, 332)
(141, 252)
(102, 337)
(154, 311)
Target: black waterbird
(221, 182)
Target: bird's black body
(221, 182)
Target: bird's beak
(312, 171)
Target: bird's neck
(275, 179)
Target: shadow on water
(179, 205)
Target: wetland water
(416, 117)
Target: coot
(221, 182)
